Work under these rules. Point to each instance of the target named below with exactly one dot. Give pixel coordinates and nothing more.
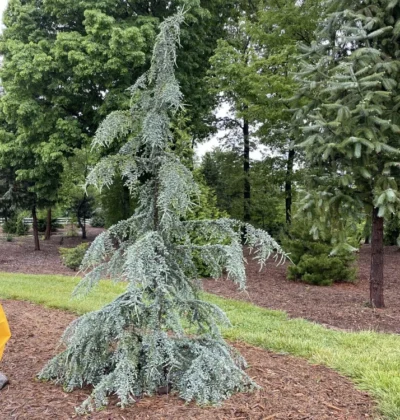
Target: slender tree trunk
(82, 226)
(377, 259)
(47, 234)
(35, 229)
(84, 235)
(288, 186)
(246, 170)
(81, 215)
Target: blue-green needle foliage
(140, 342)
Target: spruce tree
(159, 332)
(350, 80)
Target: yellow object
(5, 333)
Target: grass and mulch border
(291, 388)
(370, 359)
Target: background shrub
(392, 231)
(42, 224)
(98, 220)
(15, 225)
(72, 257)
(207, 209)
(311, 259)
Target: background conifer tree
(159, 333)
(350, 80)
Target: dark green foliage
(321, 270)
(223, 174)
(350, 120)
(206, 210)
(116, 202)
(72, 257)
(392, 231)
(312, 262)
(42, 224)
(82, 208)
(222, 171)
(9, 226)
(97, 219)
(21, 228)
(15, 226)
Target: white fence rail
(60, 220)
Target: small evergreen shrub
(42, 224)
(392, 231)
(72, 257)
(72, 230)
(312, 262)
(9, 226)
(15, 226)
(98, 220)
(321, 270)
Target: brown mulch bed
(19, 255)
(342, 305)
(292, 388)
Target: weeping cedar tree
(159, 333)
(350, 76)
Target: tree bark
(82, 226)
(47, 234)
(35, 229)
(79, 216)
(377, 260)
(288, 186)
(246, 170)
(84, 235)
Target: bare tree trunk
(84, 235)
(377, 260)
(35, 229)
(47, 234)
(81, 217)
(246, 169)
(288, 186)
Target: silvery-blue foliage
(159, 333)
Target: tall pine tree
(350, 78)
(158, 333)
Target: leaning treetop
(159, 333)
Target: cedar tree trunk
(376, 274)
(47, 234)
(288, 186)
(246, 170)
(35, 229)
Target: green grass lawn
(370, 359)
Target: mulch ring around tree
(291, 388)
